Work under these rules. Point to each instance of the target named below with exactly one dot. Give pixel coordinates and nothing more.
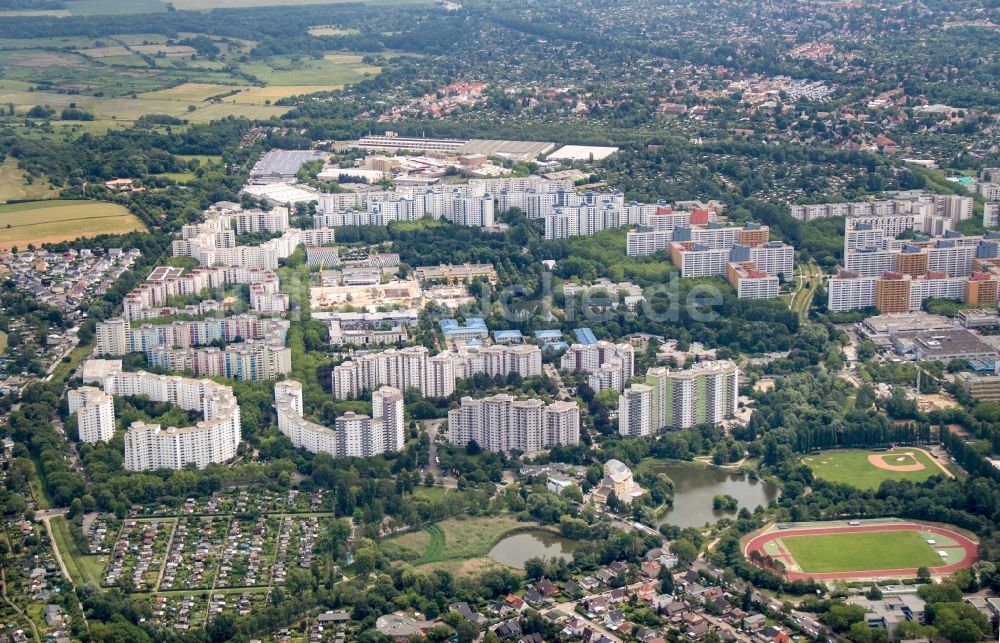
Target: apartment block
(214, 439)
(433, 376)
(95, 413)
(504, 423)
(703, 394)
(353, 435)
(592, 358)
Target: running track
(971, 550)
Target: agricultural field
(14, 185)
(333, 70)
(40, 222)
(868, 469)
(117, 79)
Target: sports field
(41, 222)
(860, 551)
(871, 549)
(868, 469)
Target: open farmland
(41, 222)
(332, 70)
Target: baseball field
(866, 469)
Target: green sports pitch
(860, 551)
(854, 467)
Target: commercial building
(945, 346)
(504, 423)
(95, 413)
(214, 439)
(706, 393)
(279, 165)
(353, 435)
(983, 388)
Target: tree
(923, 575)
(685, 550)
(534, 568)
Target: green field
(332, 69)
(860, 551)
(458, 540)
(852, 467)
(84, 568)
(41, 222)
(14, 185)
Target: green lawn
(84, 568)
(860, 551)
(851, 466)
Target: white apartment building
(149, 299)
(591, 358)
(635, 411)
(353, 435)
(214, 439)
(504, 423)
(850, 293)
(991, 215)
(250, 361)
(95, 413)
(413, 367)
(116, 337)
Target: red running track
(970, 548)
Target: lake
(514, 550)
(694, 487)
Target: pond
(695, 486)
(516, 549)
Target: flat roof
(584, 336)
(162, 273)
(951, 342)
(582, 153)
(282, 193)
(284, 162)
(491, 147)
(907, 322)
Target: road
(432, 427)
(45, 516)
(550, 370)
